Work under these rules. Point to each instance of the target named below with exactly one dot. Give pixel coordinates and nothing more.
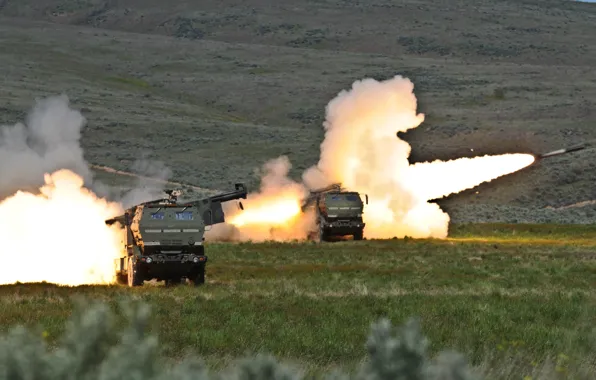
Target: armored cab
(163, 239)
(338, 212)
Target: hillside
(531, 31)
(214, 90)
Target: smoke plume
(48, 195)
(151, 177)
(47, 141)
(50, 140)
(361, 150)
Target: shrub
(499, 93)
(92, 349)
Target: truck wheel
(199, 277)
(358, 235)
(134, 279)
(321, 233)
(121, 279)
(173, 281)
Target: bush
(92, 348)
(499, 93)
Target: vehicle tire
(134, 278)
(173, 281)
(358, 235)
(199, 277)
(322, 235)
(121, 279)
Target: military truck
(163, 239)
(338, 212)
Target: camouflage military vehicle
(163, 239)
(338, 212)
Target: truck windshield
(184, 215)
(157, 215)
(345, 197)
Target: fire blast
(362, 152)
(272, 214)
(53, 227)
(58, 236)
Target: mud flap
(214, 214)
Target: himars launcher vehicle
(163, 239)
(338, 212)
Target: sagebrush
(92, 347)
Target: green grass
(313, 303)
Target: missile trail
(108, 169)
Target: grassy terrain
(498, 30)
(489, 287)
(214, 89)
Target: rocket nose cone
(553, 153)
(570, 149)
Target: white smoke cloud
(49, 140)
(361, 150)
(149, 184)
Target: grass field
(486, 289)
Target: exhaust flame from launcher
(361, 151)
(58, 236)
(53, 227)
(273, 212)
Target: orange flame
(277, 213)
(277, 220)
(438, 179)
(58, 236)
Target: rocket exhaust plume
(361, 151)
(58, 236)
(48, 141)
(273, 213)
(53, 227)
